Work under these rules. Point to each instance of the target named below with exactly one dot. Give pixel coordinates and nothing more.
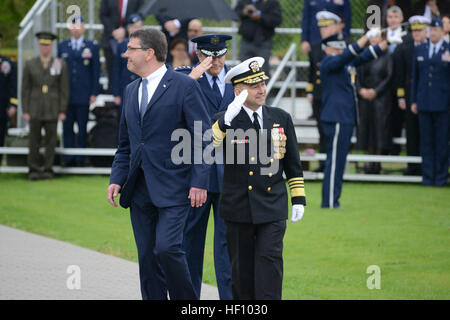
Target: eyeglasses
(133, 49)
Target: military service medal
(279, 142)
(44, 89)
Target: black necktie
(256, 122)
(216, 90)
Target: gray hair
(395, 9)
(152, 39)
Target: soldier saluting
(45, 94)
(254, 200)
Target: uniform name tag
(420, 58)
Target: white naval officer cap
(248, 72)
(419, 22)
(327, 18)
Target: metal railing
(291, 55)
(305, 158)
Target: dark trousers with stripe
(338, 140)
(434, 136)
(194, 246)
(158, 233)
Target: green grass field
(401, 228)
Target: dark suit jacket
(250, 195)
(176, 104)
(109, 16)
(264, 29)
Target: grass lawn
(401, 228)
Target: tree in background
(11, 13)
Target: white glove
(235, 107)
(372, 33)
(396, 38)
(297, 212)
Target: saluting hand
(204, 66)
(235, 107)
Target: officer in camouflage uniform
(45, 95)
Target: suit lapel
(162, 87)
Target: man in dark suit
(259, 18)
(114, 15)
(430, 98)
(210, 73)
(154, 182)
(259, 144)
(83, 63)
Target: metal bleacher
(283, 90)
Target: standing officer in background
(310, 30)
(403, 63)
(123, 76)
(45, 95)
(83, 62)
(210, 73)
(8, 94)
(114, 16)
(159, 189)
(329, 24)
(430, 98)
(254, 200)
(259, 18)
(339, 107)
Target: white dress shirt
(250, 114)
(76, 44)
(153, 81)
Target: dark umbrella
(185, 9)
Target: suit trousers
(158, 233)
(35, 137)
(256, 254)
(194, 246)
(76, 113)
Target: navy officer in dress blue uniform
(8, 94)
(83, 62)
(259, 146)
(160, 185)
(430, 98)
(310, 30)
(121, 75)
(339, 113)
(210, 72)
